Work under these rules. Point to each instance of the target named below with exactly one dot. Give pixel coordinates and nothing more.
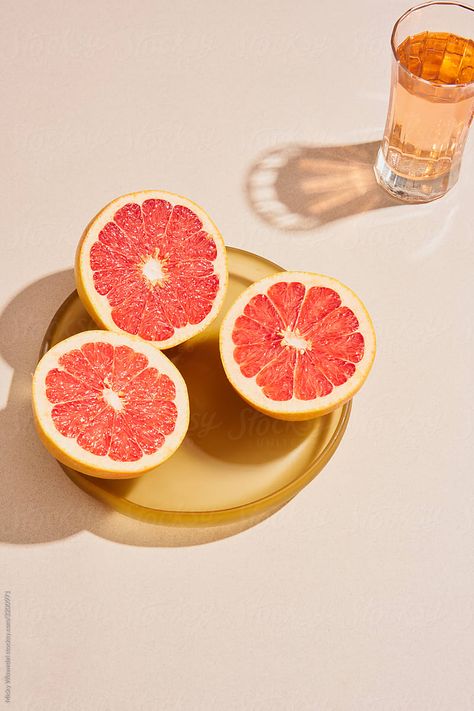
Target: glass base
(410, 189)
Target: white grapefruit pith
(109, 405)
(152, 264)
(297, 345)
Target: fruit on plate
(152, 264)
(297, 345)
(109, 405)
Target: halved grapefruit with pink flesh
(152, 264)
(297, 345)
(109, 405)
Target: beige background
(358, 595)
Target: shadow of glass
(39, 502)
(300, 187)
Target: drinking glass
(431, 101)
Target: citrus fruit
(109, 405)
(152, 264)
(297, 345)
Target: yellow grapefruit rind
(98, 306)
(66, 450)
(295, 409)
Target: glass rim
(394, 49)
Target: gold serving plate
(235, 464)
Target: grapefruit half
(109, 405)
(297, 345)
(152, 264)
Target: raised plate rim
(270, 502)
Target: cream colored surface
(357, 596)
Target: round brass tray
(234, 463)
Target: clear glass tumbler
(431, 101)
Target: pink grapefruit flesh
(297, 345)
(152, 264)
(109, 405)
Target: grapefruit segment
(287, 298)
(297, 345)
(109, 405)
(276, 377)
(152, 264)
